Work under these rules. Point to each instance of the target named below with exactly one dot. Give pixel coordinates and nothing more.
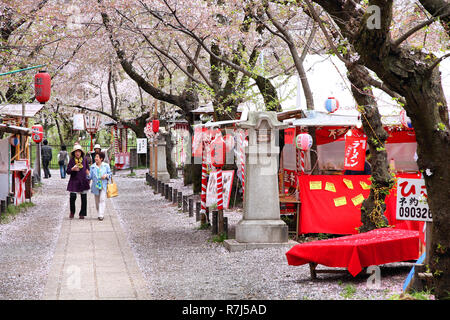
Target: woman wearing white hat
(97, 149)
(78, 168)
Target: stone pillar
(163, 174)
(261, 225)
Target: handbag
(111, 189)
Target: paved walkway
(93, 260)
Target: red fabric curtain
(329, 205)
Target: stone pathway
(93, 260)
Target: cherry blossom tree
(414, 75)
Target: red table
(355, 252)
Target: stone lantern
(261, 225)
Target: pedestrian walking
(78, 169)
(97, 149)
(46, 154)
(99, 173)
(63, 160)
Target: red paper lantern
(42, 86)
(218, 152)
(155, 126)
(37, 133)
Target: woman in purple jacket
(78, 168)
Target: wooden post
(180, 200)
(215, 220)
(197, 211)
(3, 206)
(166, 192)
(150, 164)
(175, 196)
(185, 204)
(225, 226)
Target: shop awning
(15, 110)
(317, 118)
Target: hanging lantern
(78, 122)
(331, 104)
(218, 152)
(42, 86)
(405, 120)
(14, 140)
(148, 130)
(155, 126)
(229, 142)
(303, 141)
(91, 124)
(37, 133)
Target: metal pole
(21, 70)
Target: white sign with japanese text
(412, 201)
(141, 145)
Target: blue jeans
(62, 170)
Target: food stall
(331, 201)
(15, 167)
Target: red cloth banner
(289, 135)
(355, 153)
(355, 252)
(323, 208)
(330, 134)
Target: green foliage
(414, 295)
(219, 238)
(204, 226)
(441, 126)
(12, 211)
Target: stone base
(261, 231)
(233, 246)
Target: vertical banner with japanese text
(412, 201)
(355, 152)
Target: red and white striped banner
(242, 156)
(219, 189)
(302, 161)
(204, 183)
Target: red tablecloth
(321, 214)
(358, 251)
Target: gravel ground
(179, 261)
(28, 241)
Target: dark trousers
(73, 198)
(45, 164)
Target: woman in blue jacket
(99, 173)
